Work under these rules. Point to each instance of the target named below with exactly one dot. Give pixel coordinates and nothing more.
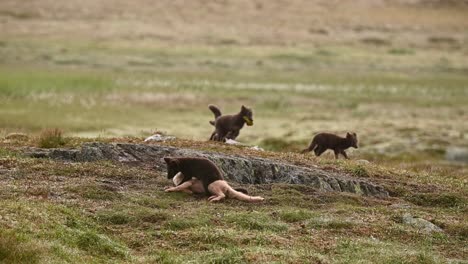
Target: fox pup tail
(216, 112)
(231, 193)
(312, 146)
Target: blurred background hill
(395, 72)
(259, 22)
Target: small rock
(362, 161)
(458, 154)
(232, 142)
(257, 148)
(158, 138)
(17, 136)
(421, 224)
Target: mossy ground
(97, 212)
(389, 71)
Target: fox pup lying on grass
(208, 179)
(228, 126)
(194, 185)
(323, 141)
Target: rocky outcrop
(239, 169)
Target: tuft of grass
(358, 171)
(5, 153)
(114, 218)
(319, 223)
(134, 216)
(153, 202)
(292, 216)
(95, 192)
(185, 223)
(52, 138)
(439, 200)
(231, 256)
(15, 249)
(354, 251)
(460, 230)
(151, 216)
(213, 238)
(98, 244)
(163, 257)
(290, 196)
(256, 221)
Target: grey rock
(159, 137)
(363, 161)
(248, 170)
(419, 223)
(457, 154)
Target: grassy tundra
(395, 73)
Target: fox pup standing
(323, 141)
(228, 126)
(205, 172)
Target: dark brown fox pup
(228, 126)
(208, 174)
(323, 141)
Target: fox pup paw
(168, 189)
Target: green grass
(406, 103)
(87, 217)
(256, 221)
(17, 249)
(295, 215)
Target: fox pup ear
(171, 161)
(348, 134)
(243, 107)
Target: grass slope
(100, 212)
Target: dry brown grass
(236, 22)
(51, 138)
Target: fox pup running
(208, 174)
(228, 126)
(323, 141)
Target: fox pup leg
(218, 189)
(232, 134)
(213, 135)
(218, 196)
(184, 187)
(337, 152)
(319, 151)
(220, 135)
(344, 154)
